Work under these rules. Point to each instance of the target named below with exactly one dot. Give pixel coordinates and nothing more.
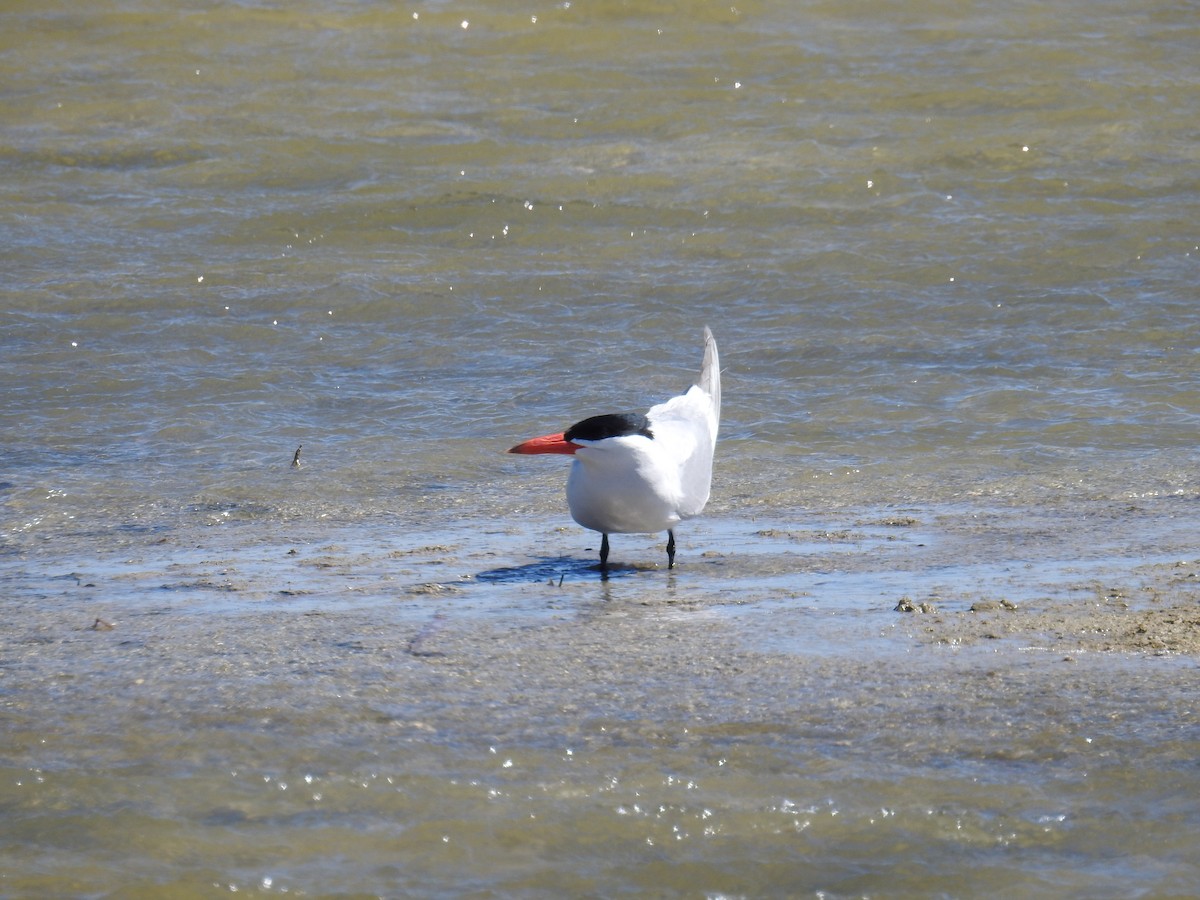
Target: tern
(642, 474)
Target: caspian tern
(641, 474)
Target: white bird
(642, 474)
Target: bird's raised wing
(686, 426)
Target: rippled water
(950, 254)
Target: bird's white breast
(624, 485)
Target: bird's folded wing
(683, 424)
(692, 412)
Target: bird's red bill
(547, 443)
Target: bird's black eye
(597, 428)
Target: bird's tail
(710, 373)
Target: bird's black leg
(604, 551)
(670, 549)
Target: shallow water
(950, 255)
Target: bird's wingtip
(710, 371)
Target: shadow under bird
(642, 474)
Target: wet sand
(1171, 626)
(880, 661)
(776, 608)
(999, 679)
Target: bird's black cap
(597, 428)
